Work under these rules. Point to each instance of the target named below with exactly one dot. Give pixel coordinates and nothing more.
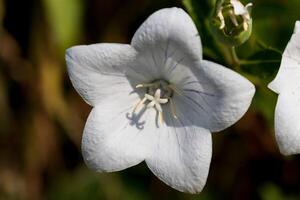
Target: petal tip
(297, 27)
(72, 52)
(273, 87)
(287, 151)
(172, 9)
(252, 88)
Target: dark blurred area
(42, 117)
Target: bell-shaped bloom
(287, 85)
(156, 100)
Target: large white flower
(156, 100)
(287, 85)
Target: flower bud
(231, 22)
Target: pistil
(158, 93)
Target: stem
(220, 49)
(235, 60)
(263, 45)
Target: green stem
(220, 48)
(263, 45)
(234, 58)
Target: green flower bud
(231, 22)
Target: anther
(145, 85)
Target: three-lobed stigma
(158, 92)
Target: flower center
(158, 92)
(162, 85)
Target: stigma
(157, 93)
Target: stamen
(141, 102)
(145, 85)
(173, 110)
(175, 89)
(161, 117)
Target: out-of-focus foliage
(273, 23)
(42, 117)
(65, 20)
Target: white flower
(187, 98)
(287, 85)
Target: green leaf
(263, 64)
(199, 8)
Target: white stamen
(175, 89)
(173, 110)
(140, 103)
(144, 85)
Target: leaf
(199, 9)
(264, 64)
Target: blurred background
(42, 117)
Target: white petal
(113, 139)
(215, 97)
(287, 122)
(182, 154)
(289, 72)
(168, 34)
(297, 27)
(101, 70)
(238, 7)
